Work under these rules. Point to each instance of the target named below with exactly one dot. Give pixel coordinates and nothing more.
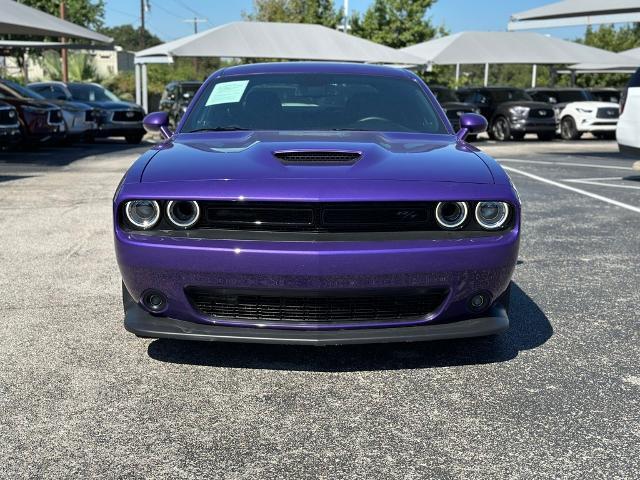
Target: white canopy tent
(631, 66)
(577, 12)
(19, 19)
(508, 48)
(285, 41)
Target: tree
(322, 12)
(88, 13)
(128, 37)
(396, 23)
(608, 37)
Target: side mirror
(157, 122)
(471, 124)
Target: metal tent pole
(145, 90)
(457, 73)
(534, 75)
(486, 74)
(138, 84)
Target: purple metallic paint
(157, 122)
(471, 124)
(240, 166)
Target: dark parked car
(116, 118)
(511, 112)
(40, 121)
(605, 94)
(176, 97)
(9, 125)
(452, 106)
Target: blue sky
(166, 16)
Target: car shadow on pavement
(529, 329)
(61, 156)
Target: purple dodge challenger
(315, 203)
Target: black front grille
(608, 112)
(8, 116)
(318, 156)
(315, 308)
(319, 217)
(541, 113)
(55, 116)
(127, 116)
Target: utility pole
(144, 7)
(63, 53)
(195, 21)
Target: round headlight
(451, 215)
(492, 215)
(143, 214)
(183, 213)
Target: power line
(195, 21)
(183, 5)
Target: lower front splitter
(143, 324)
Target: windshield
(568, 96)
(510, 95)
(13, 89)
(314, 102)
(88, 92)
(445, 95)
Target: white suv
(628, 132)
(578, 112)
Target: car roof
(317, 67)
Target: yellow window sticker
(227, 92)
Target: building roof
(19, 19)
(577, 12)
(286, 41)
(508, 48)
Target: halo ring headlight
(183, 213)
(143, 214)
(451, 215)
(492, 215)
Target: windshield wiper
(227, 128)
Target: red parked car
(39, 121)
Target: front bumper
(533, 126)
(119, 129)
(596, 125)
(9, 134)
(143, 324)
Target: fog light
(479, 302)
(154, 301)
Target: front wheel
(568, 129)
(501, 129)
(134, 139)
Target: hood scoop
(318, 157)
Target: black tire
(501, 129)
(518, 135)
(546, 136)
(134, 139)
(568, 129)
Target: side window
(469, 97)
(635, 80)
(481, 99)
(58, 93)
(44, 90)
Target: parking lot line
(573, 189)
(563, 164)
(595, 181)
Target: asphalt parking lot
(558, 396)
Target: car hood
(525, 103)
(114, 105)
(590, 105)
(28, 102)
(71, 105)
(458, 106)
(250, 155)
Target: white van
(628, 131)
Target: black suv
(452, 106)
(511, 112)
(176, 97)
